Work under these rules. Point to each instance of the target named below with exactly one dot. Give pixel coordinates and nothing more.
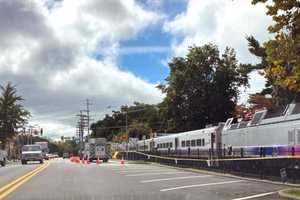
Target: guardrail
(258, 167)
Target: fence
(261, 167)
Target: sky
(114, 52)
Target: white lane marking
(135, 169)
(255, 196)
(175, 178)
(156, 173)
(199, 185)
(147, 170)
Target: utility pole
(80, 126)
(83, 125)
(88, 116)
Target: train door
(292, 137)
(298, 136)
(176, 144)
(152, 145)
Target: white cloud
(225, 23)
(48, 48)
(144, 49)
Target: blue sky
(152, 66)
(149, 65)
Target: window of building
(199, 142)
(203, 142)
(171, 144)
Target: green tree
(139, 129)
(12, 113)
(280, 56)
(138, 113)
(202, 88)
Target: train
(273, 132)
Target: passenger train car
(269, 133)
(186, 143)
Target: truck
(44, 148)
(3, 157)
(31, 153)
(97, 148)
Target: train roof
(263, 117)
(198, 131)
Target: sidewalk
(13, 162)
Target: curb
(227, 175)
(285, 195)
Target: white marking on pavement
(255, 196)
(155, 173)
(135, 169)
(147, 170)
(175, 178)
(199, 185)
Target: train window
(193, 143)
(203, 142)
(199, 142)
(188, 143)
(183, 143)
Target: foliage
(60, 147)
(138, 115)
(139, 129)
(258, 102)
(280, 56)
(12, 113)
(202, 88)
(243, 112)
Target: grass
(290, 193)
(293, 192)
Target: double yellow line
(9, 188)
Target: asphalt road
(13, 171)
(68, 181)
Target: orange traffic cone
(98, 161)
(122, 161)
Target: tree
(139, 129)
(280, 56)
(202, 88)
(138, 114)
(258, 102)
(12, 113)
